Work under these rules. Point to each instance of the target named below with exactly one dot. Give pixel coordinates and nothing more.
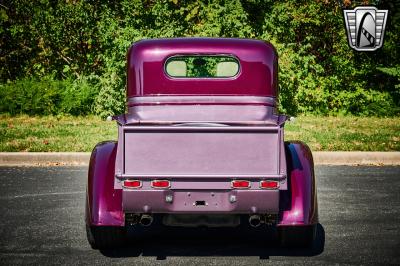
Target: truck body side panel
(299, 202)
(103, 202)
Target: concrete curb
(82, 158)
(44, 158)
(356, 158)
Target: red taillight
(269, 184)
(160, 184)
(132, 184)
(240, 184)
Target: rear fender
(299, 202)
(103, 202)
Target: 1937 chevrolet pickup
(201, 145)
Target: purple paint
(200, 134)
(303, 208)
(146, 75)
(103, 202)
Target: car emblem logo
(365, 27)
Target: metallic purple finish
(222, 151)
(103, 202)
(146, 75)
(200, 134)
(201, 100)
(302, 208)
(202, 108)
(202, 113)
(191, 156)
(247, 201)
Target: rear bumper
(205, 201)
(107, 202)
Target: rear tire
(297, 236)
(105, 237)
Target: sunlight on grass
(346, 133)
(24, 133)
(67, 133)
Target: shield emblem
(365, 26)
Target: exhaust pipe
(146, 220)
(255, 220)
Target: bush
(83, 44)
(78, 97)
(47, 96)
(111, 97)
(31, 96)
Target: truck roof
(146, 68)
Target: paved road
(42, 223)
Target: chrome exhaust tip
(255, 220)
(146, 220)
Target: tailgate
(194, 151)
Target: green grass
(49, 133)
(346, 133)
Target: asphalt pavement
(42, 222)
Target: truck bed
(251, 152)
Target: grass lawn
(49, 133)
(346, 133)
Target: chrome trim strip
(199, 129)
(220, 176)
(202, 99)
(174, 122)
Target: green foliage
(84, 44)
(78, 96)
(111, 97)
(202, 66)
(31, 96)
(47, 96)
(393, 72)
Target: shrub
(47, 96)
(78, 97)
(111, 97)
(31, 96)
(83, 44)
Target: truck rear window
(202, 66)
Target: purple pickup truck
(201, 145)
